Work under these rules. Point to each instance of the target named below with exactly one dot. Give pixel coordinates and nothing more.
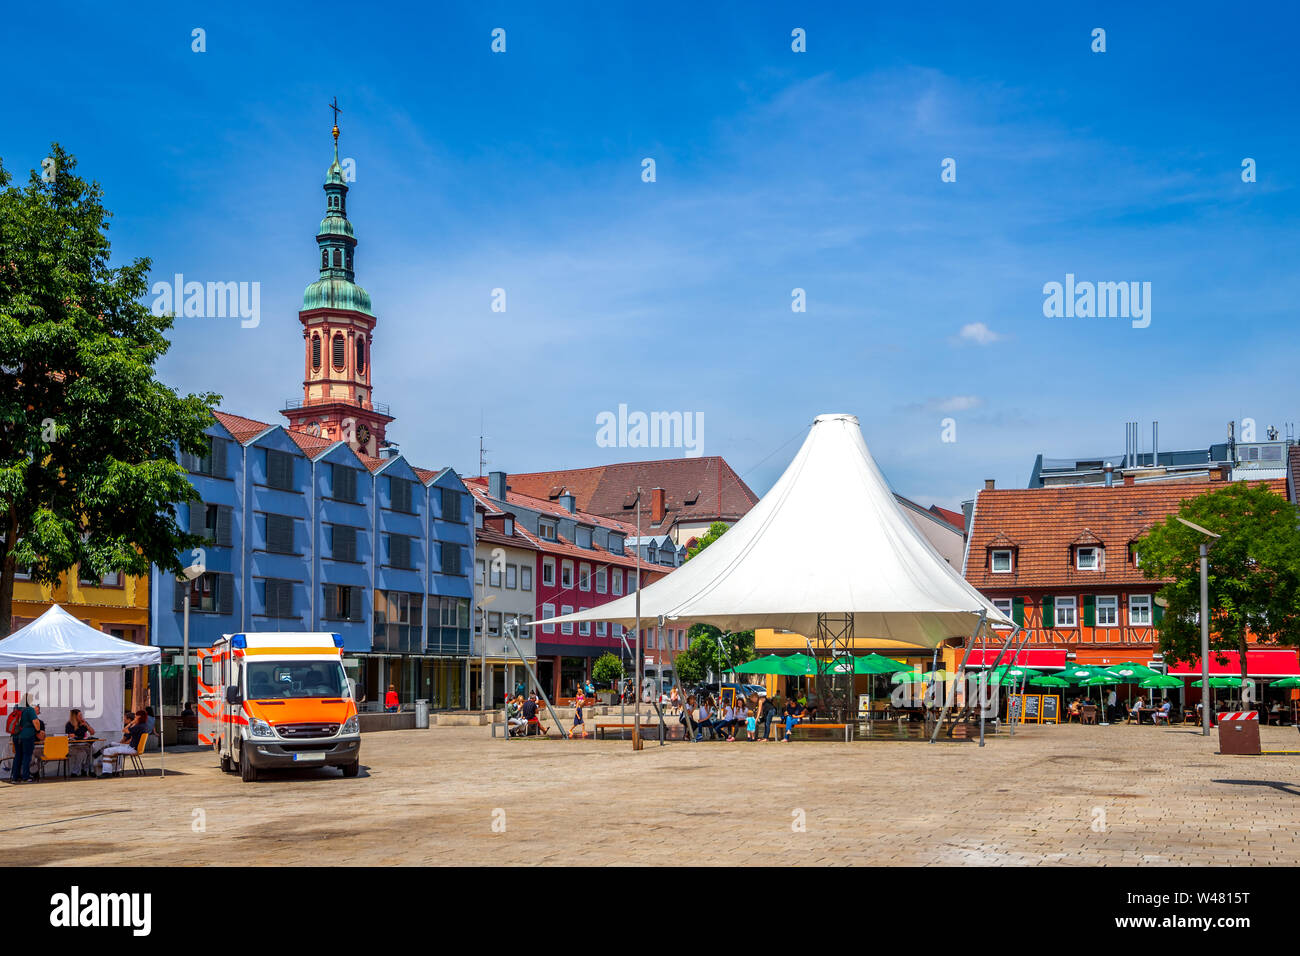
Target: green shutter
(1089, 611)
(1049, 613)
(1018, 610)
(1159, 613)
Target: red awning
(1259, 663)
(1042, 658)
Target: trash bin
(422, 715)
(1239, 732)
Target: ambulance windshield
(275, 680)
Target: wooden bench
(819, 725)
(646, 729)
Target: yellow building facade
(769, 640)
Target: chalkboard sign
(1032, 702)
(1013, 706)
(1051, 708)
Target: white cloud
(960, 403)
(979, 333)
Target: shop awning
(1259, 663)
(1043, 658)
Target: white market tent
(64, 663)
(828, 539)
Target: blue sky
(775, 170)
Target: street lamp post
(483, 631)
(636, 663)
(1205, 621)
(186, 576)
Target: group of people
(522, 715)
(1160, 714)
(26, 729)
(723, 720)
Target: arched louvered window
(315, 353)
(349, 259)
(338, 350)
(338, 259)
(361, 354)
(324, 258)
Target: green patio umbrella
(1101, 679)
(1286, 682)
(1048, 680)
(1220, 682)
(1009, 674)
(877, 664)
(1077, 673)
(1132, 669)
(769, 664)
(1160, 680)
(909, 677)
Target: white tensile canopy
(63, 663)
(829, 538)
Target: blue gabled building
(307, 534)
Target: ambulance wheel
(247, 772)
(226, 764)
(351, 769)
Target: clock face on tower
(363, 435)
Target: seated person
(1163, 713)
(531, 720)
(130, 742)
(79, 758)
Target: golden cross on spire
(335, 107)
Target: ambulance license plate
(308, 757)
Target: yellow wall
(125, 607)
(769, 641)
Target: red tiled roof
(695, 489)
(311, 445)
(242, 429)
(954, 518)
(550, 508)
(1041, 524)
(1293, 464)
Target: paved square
(1054, 794)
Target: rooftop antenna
(482, 451)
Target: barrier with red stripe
(1240, 715)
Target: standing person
(23, 733)
(674, 701)
(767, 710)
(578, 703)
(390, 700)
(1111, 700)
(749, 723)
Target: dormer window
(1087, 559)
(1000, 560)
(1135, 554)
(546, 529)
(508, 526)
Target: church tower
(338, 329)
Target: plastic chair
(136, 763)
(55, 751)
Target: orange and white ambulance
(278, 700)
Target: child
(577, 716)
(750, 723)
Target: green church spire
(336, 288)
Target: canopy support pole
(162, 735)
(1014, 654)
(990, 668)
(835, 641)
(961, 669)
(536, 683)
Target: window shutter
(331, 601)
(225, 518)
(450, 505)
(343, 544)
(399, 551)
(198, 517)
(1018, 610)
(399, 493)
(284, 598)
(1089, 611)
(345, 483)
(226, 593)
(1157, 613)
(358, 613)
(178, 603)
(1049, 612)
(218, 458)
(279, 534)
(269, 598)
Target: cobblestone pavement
(1065, 795)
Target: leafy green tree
(1253, 571)
(88, 470)
(716, 530)
(607, 669)
(703, 655)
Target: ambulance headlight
(351, 726)
(260, 728)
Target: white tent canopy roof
(829, 538)
(57, 639)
